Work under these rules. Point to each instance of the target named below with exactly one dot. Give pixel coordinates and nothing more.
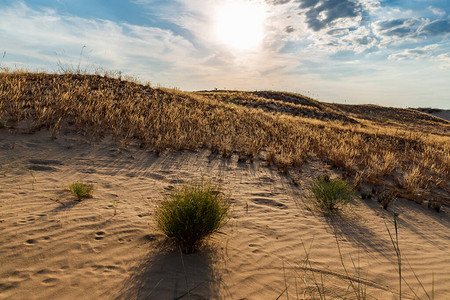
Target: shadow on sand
(168, 274)
(355, 230)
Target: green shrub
(81, 190)
(191, 213)
(331, 194)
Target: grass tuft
(192, 213)
(331, 194)
(386, 198)
(81, 190)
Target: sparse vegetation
(191, 213)
(331, 194)
(81, 190)
(436, 206)
(386, 198)
(410, 150)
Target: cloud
(403, 28)
(437, 27)
(356, 40)
(307, 3)
(328, 25)
(406, 30)
(329, 12)
(415, 53)
(277, 2)
(289, 29)
(370, 5)
(437, 11)
(443, 60)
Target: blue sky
(392, 53)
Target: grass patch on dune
(81, 190)
(331, 194)
(191, 213)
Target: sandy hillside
(444, 114)
(52, 247)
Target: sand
(53, 247)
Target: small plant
(192, 213)
(330, 194)
(365, 196)
(386, 198)
(114, 204)
(81, 190)
(436, 206)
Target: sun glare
(240, 24)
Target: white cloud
(415, 53)
(370, 5)
(437, 11)
(356, 40)
(443, 60)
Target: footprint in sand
(30, 242)
(8, 286)
(257, 246)
(105, 269)
(269, 202)
(43, 164)
(99, 235)
(51, 281)
(19, 276)
(29, 219)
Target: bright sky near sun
(386, 52)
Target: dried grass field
(403, 150)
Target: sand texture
(54, 247)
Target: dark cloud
(400, 32)
(412, 28)
(366, 40)
(437, 27)
(399, 27)
(319, 16)
(391, 23)
(289, 29)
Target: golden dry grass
(402, 150)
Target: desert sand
(108, 247)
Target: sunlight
(240, 24)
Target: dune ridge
(402, 150)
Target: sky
(384, 52)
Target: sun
(240, 24)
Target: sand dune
(53, 247)
(443, 114)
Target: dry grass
(406, 150)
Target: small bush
(191, 213)
(81, 190)
(385, 198)
(330, 194)
(436, 206)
